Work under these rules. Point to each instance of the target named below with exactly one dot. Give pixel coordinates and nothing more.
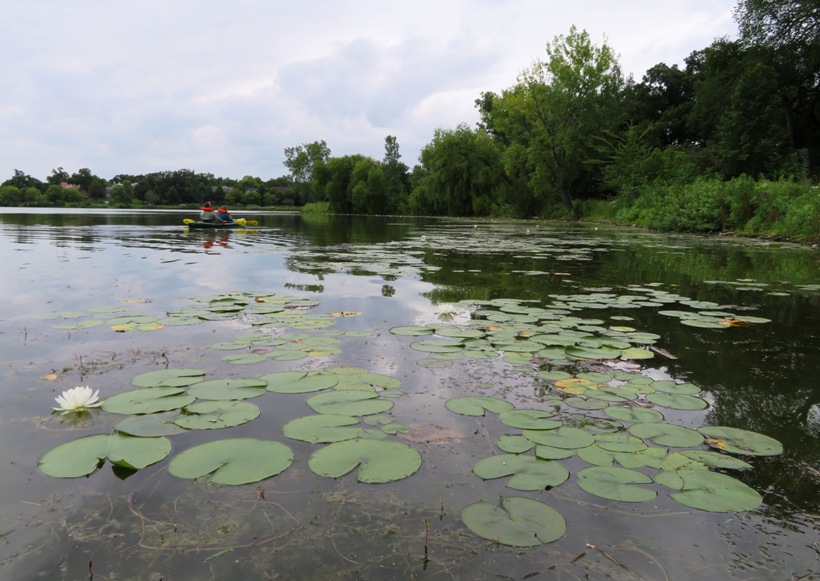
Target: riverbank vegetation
(729, 142)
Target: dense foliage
(728, 141)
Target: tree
(461, 174)
(553, 114)
(368, 187)
(57, 177)
(395, 176)
(122, 195)
(22, 181)
(302, 162)
(791, 30)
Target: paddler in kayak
(208, 214)
(223, 215)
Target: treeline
(168, 188)
(730, 140)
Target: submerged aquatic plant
(77, 399)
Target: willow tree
(550, 119)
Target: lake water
(341, 285)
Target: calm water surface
(385, 273)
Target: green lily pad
(580, 403)
(667, 386)
(85, 455)
(619, 443)
(323, 428)
(716, 459)
(235, 461)
(168, 378)
(349, 403)
(740, 441)
(518, 522)
(567, 438)
(246, 358)
(634, 415)
(149, 425)
(477, 405)
(148, 400)
(378, 461)
(550, 453)
(614, 483)
(514, 444)
(437, 346)
(222, 389)
(667, 435)
(677, 402)
(710, 491)
(529, 419)
(528, 472)
(299, 381)
(213, 415)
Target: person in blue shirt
(223, 215)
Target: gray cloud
(224, 87)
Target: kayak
(216, 225)
(237, 223)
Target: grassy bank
(742, 206)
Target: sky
(224, 86)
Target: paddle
(240, 221)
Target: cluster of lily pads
(265, 308)
(619, 446)
(608, 421)
(173, 401)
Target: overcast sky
(223, 87)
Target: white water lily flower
(77, 399)
(447, 309)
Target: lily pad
(323, 428)
(518, 522)
(299, 381)
(740, 441)
(567, 438)
(710, 491)
(614, 483)
(514, 444)
(213, 415)
(349, 403)
(677, 402)
(148, 400)
(634, 415)
(477, 405)
(716, 459)
(168, 378)
(528, 472)
(235, 461)
(529, 419)
(149, 425)
(222, 389)
(667, 435)
(83, 456)
(378, 461)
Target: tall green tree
(396, 179)
(553, 114)
(302, 161)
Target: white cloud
(224, 87)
